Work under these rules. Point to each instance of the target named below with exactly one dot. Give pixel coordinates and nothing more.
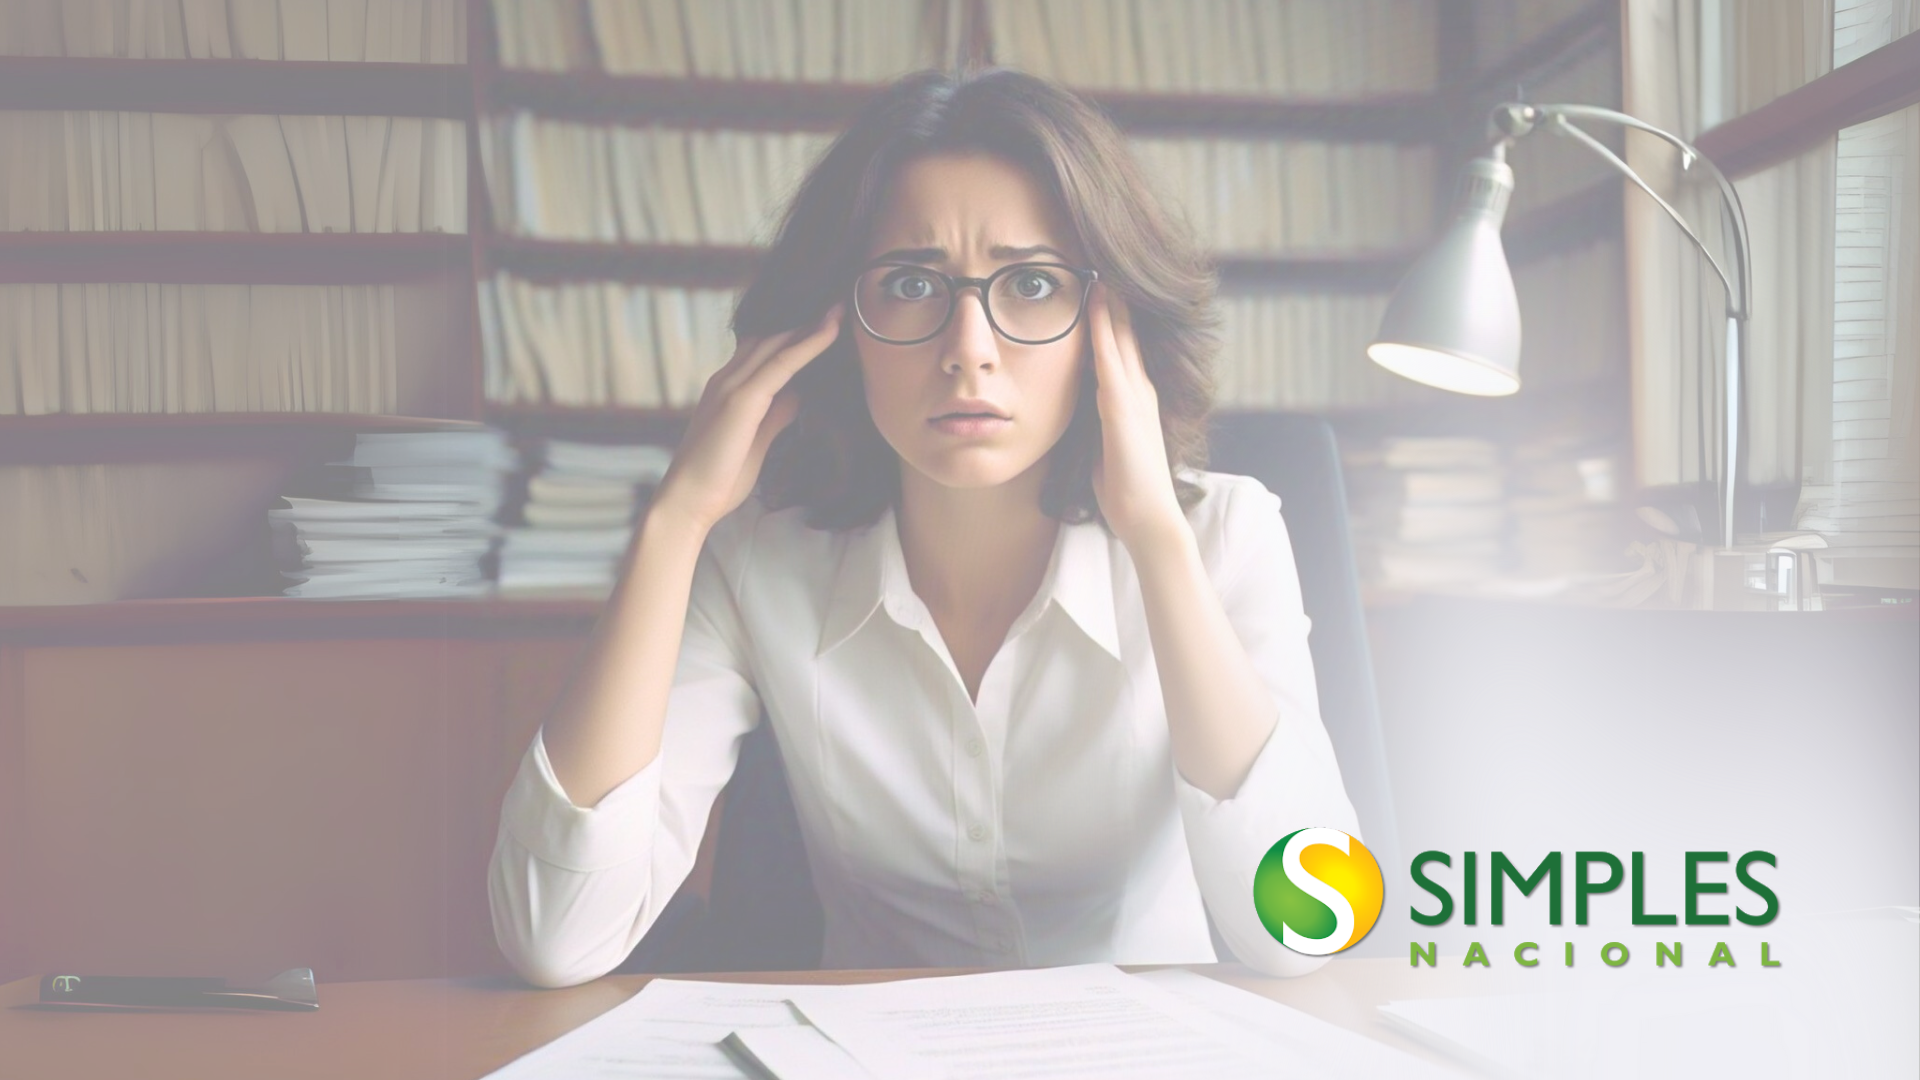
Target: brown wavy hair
(832, 460)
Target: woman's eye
(1033, 285)
(909, 287)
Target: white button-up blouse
(1043, 824)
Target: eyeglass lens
(1028, 302)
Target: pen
(291, 990)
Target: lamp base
(1752, 577)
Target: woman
(1042, 689)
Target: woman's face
(968, 216)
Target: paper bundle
(406, 515)
(579, 514)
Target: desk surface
(461, 1029)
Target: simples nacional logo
(1318, 891)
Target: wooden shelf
(647, 99)
(316, 87)
(158, 421)
(1885, 79)
(800, 106)
(1407, 118)
(234, 258)
(590, 423)
(710, 265)
(95, 437)
(729, 266)
(1346, 272)
(254, 618)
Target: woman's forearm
(607, 724)
(1219, 713)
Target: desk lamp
(1454, 322)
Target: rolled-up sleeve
(1295, 781)
(573, 889)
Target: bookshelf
(294, 87)
(454, 264)
(94, 438)
(398, 722)
(790, 106)
(275, 618)
(230, 257)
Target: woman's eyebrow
(939, 254)
(1002, 251)
(912, 255)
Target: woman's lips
(970, 425)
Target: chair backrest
(763, 914)
(762, 911)
(1297, 458)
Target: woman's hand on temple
(1131, 480)
(744, 406)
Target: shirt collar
(873, 574)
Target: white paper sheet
(1306, 1045)
(1092, 1021)
(671, 1028)
(795, 1053)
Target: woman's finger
(1106, 348)
(1128, 347)
(780, 414)
(749, 358)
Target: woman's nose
(969, 341)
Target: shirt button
(985, 898)
(975, 747)
(1001, 944)
(978, 832)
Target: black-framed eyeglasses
(1031, 303)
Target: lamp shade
(1454, 322)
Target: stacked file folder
(405, 515)
(1430, 511)
(580, 511)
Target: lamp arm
(1514, 120)
(1517, 120)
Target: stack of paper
(406, 515)
(1429, 511)
(1567, 512)
(579, 515)
(1091, 1021)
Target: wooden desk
(460, 1029)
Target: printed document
(672, 1027)
(1307, 1045)
(1091, 1021)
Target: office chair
(1297, 459)
(762, 913)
